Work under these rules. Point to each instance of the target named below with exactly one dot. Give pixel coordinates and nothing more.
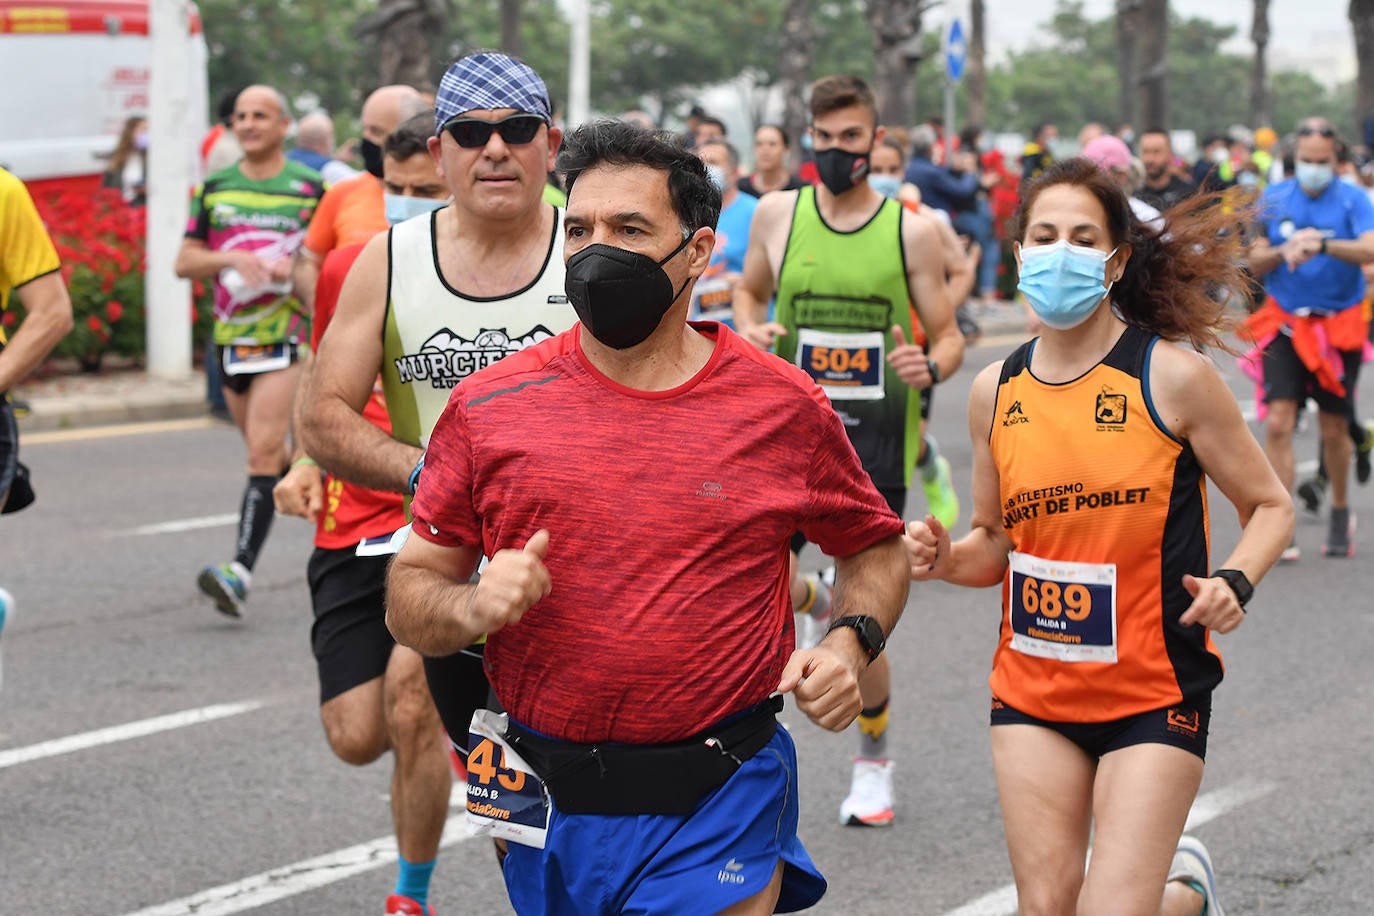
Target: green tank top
(839, 295)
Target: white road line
(289, 880)
(124, 732)
(181, 524)
(1210, 806)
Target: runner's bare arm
(195, 261)
(48, 317)
(306, 275)
(825, 679)
(1195, 405)
(431, 606)
(757, 283)
(959, 264)
(925, 277)
(979, 558)
(332, 426)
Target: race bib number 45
(505, 798)
(848, 367)
(1063, 610)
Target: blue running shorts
(723, 852)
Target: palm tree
(977, 72)
(1154, 58)
(1260, 109)
(798, 37)
(896, 26)
(1127, 58)
(1362, 24)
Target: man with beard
(1163, 187)
(860, 272)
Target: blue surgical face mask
(886, 185)
(1063, 283)
(400, 208)
(717, 176)
(1314, 176)
(1248, 180)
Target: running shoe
(1292, 553)
(397, 905)
(1193, 864)
(941, 499)
(1340, 534)
(227, 585)
(870, 795)
(1363, 452)
(1312, 491)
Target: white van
(71, 73)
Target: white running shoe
(870, 795)
(1193, 864)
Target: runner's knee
(354, 739)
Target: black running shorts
(1183, 726)
(351, 642)
(1287, 379)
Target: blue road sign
(956, 50)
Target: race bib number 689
(1063, 610)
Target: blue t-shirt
(713, 296)
(1324, 284)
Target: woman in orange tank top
(1091, 448)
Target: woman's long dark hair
(1174, 270)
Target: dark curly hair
(1175, 266)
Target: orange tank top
(1107, 510)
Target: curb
(133, 398)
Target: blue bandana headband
(486, 81)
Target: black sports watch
(870, 634)
(1238, 582)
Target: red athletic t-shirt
(351, 512)
(669, 513)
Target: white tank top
(435, 336)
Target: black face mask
(372, 157)
(841, 170)
(620, 296)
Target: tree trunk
(1261, 113)
(896, 26)
(1128, 60)
(1154, 59)
(1362, 25)
(977, 76)
(511, 41)
(402, 30)
(798, 37)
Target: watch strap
(1239, 582)
(868, 631)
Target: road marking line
(181, 524)
(119, 429)
(1002, 902)
(124, 732)
(289, 880)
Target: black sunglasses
(1322, 131)
(471, 133)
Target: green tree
(301, 47)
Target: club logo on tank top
(1110, 411)
(445, 359)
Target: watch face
(873, 637)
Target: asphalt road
(194, 777)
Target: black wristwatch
(413, 483)
(1238, 582)
(934, 369)
(1322, 250)
(870, 634)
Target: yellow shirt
(26, 252)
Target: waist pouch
(645, 778)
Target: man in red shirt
(373, 695)
(636, 665)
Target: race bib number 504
(847, 366)
(505, 798)
(1063, 610)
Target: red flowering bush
(101, 241)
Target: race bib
(252, 359)
(505, 798)
(1063, 610)
(847, 366)
(714, 299)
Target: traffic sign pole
(956, 49)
